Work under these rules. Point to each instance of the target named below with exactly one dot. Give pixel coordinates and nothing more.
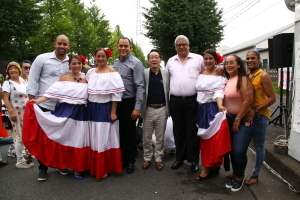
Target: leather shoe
(146, 164)
(130, 168)
(176, 164)
(194, 167)
(159, 166)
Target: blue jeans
(240, 141)
(260, 124)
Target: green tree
(19, 20)
(85, 34)
(56, 21)
(137, 52)
(199, 20)
(101, 25)
(116, 34)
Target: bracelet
(237, 120)
(255, 110)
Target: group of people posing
(88, 122)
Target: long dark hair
(241, 71)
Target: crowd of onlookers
(68, 119)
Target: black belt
(156, 105)
(184, 97)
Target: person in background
(184, 68)
(214, 142)
(15, 98)
(155, 111)
(131, 70)
(264, 96)
(25, 65)
(238, 99)
(46, 69)
(2, 162)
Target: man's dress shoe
(176, 164)
(130, 168)
(194, 167)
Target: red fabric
(47, 151)
(55, 155)
(214, 148)
(105, 162)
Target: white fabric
(214, 126)
(68, 92)
(58, 129)
(169, 142)
(104, 135)
(210, 87)
(104, 87)
(21, 88)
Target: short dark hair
(25, 61)
(124, 38)
(154, 50)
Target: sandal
(252, 180)
(231, 176)
(104, 176)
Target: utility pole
(138, 25)
(294, 150)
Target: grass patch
(277, 89)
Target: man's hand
(135, 114)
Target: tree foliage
(29, 28)
(199, 20)
(19, 19)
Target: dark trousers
(127, 130)
(183, 111)
(42, 166)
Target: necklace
(77, 79)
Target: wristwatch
(255, 110)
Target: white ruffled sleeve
(54, 91)
(220, 88)
(118, 83)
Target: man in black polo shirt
(155, 109)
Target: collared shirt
(46, 70)
(131, 70)
(183, 76)
(156, 94)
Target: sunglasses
(27, 68)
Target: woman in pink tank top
(238, 99)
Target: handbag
(6, 122)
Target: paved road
(142, 184)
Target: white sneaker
(24, 165)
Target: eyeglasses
(183, 45)
(154, 57)
(229, 63)
(27, 68)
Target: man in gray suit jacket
(156, 109)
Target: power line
(257, 14)
(234, 6)
(242, 12)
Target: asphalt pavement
(141, 184)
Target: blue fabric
(260, 124)
(98, 112)
(73, 111)
(206, 113)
